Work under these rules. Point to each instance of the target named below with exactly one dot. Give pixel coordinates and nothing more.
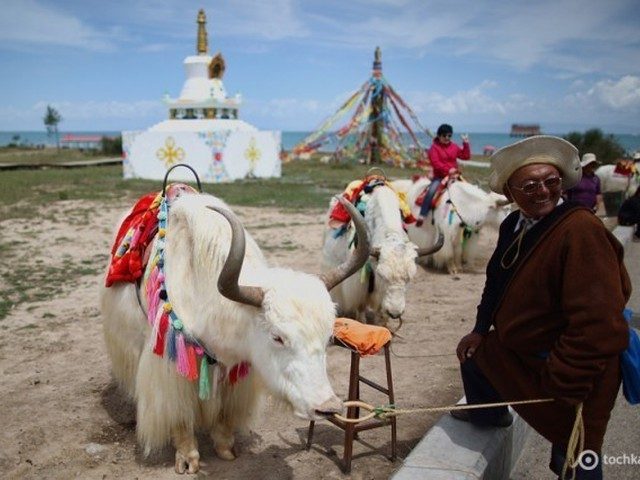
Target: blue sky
(479, 65)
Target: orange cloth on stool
(366, 339)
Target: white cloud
(474, 100)
(87, 115)
(109, 109)
(273, 20)
(282, 108)
(413, 26)
(621, 94)
(72, 111)
(250, 19)
(572, 36)
(27, 22)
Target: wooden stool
(351, 429)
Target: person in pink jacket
(444, 155)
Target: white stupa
(203, 130)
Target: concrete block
(623, 234)
(457, 450)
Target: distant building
(89, 142)
(525, 130)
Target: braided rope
(386, 411)
(575, 445)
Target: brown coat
(559, 327)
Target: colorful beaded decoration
(170, 337)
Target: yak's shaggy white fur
(285, 340)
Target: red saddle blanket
(436, 198)
(625, 167)
(135, 234)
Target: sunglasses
(446, 135)
(530, 188)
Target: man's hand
(468, 345)
(465, 138)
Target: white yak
(460, 215)
(278, 320)
(379, 293)
(615, 182)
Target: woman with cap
(587, 191)
(443, 155)
(554, 305)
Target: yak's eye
(277, 339)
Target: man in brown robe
(555, 291)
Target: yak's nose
(394, 315)
(329, 407)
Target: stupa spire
(203, 47)
(377, 61)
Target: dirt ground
(62, 416)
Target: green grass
(32, 156)
(303, 185)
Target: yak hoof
(189, 463)
(224, 452)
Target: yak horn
(358, 258)
(433, 249)
(228, 279)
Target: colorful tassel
(167, 328)
(155, 325)
(172, 352)
(192, 373)
(162, 335)
(238, 372)
(204, 390)
(183, 356)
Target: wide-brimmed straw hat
(588, 158)
(537, 149)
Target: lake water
(631, 143)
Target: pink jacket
(444, 157)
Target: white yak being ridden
(462, 210)
(264, 326)
(623, 176)
(377, 293)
